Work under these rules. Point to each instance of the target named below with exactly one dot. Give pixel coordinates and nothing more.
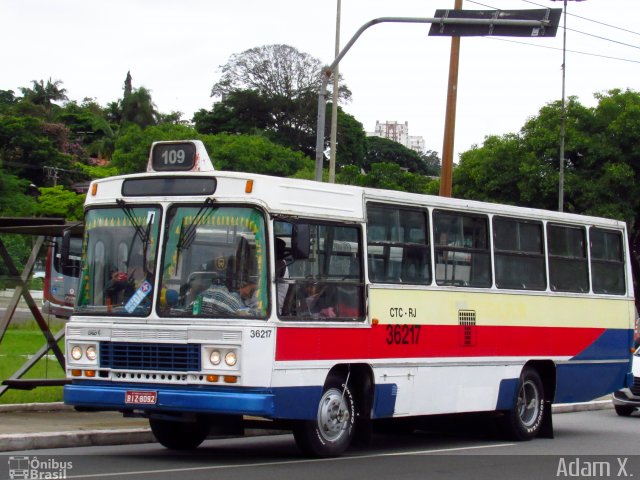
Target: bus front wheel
(333, 430)
(524, 421)
(177, 435)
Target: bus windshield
(214, 263)
(119, 261)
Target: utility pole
(334, 104)
(563, 118)
(446, 170)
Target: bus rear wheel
(177, 435)
(524, 420)
(333, 430)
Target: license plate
(140, 398)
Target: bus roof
(287, 196)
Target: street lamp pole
(334, 104)
(524, 25)
(563, 119)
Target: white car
(627, 400)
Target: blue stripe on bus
(507, 393)
(581, 382)
(613, 344)
(223, 401)
(384, 401)
(284, 403)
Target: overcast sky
(395, 71)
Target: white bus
(209, 298)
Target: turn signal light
(230, 379)
(213, 378)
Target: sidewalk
(55, 425)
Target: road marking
(289, 462)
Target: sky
(395, 71)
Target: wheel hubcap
(333, 415)
(528, 403)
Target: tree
(134, 143)
(351, 138)
(89, 128)
(602, 151)
(383, 150)
(27, 145)
(59, 201)
(7, 99)
(253, 153)
(14, 200)
(273, 71)
(273, 88)
(241, 111)
(138, 108)
(45, 94)
(388, 176)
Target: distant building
(398, 132)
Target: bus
(60, 284)
(211, 300)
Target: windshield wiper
(128, 211)
(143, 233)
(188, 234)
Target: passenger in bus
(219, 300)
(119, 288)
(281, 272)
(316, 302)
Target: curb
(35, 407)
(582, 407)
(37, 441)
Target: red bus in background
(59, 289)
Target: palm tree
(138, 108)
(44, 94)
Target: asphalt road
(594, 444)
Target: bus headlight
(92, 353)
(215, 357)
(76, 352)
(230, 358)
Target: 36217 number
(403, 334)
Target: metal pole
(320, 125)
(326, 73)
(563, 118)
(446, 171)
(334, 104)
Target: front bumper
(112, 397)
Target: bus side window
(327, 282)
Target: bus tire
(333, 430)
(176, 435)
(624, 410)
(524, 421)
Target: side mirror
(300, 241)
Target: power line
(570, 51)
(603, 38)
(577, 16)
(572, 30)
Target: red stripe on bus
(428, 341)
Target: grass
(20, 342)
